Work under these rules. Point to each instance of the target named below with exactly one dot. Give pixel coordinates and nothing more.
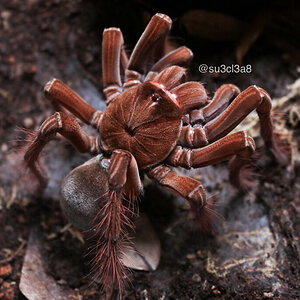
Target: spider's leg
(250, 99)
(124, 59)
(66, 126)
(62, 96)
(112, 55)
(190, 189)
(222, 98)
(111, 225)
(190, 95)
(181, 56)
(149, 47)
(124, 173)
(239, 144)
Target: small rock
(4, 147)
(5, 270)
(201, 254)
(28, 122)
(196, 277)
(191, 256)
(11, 59)
(5, 15)
(268, 295)
(51, 236)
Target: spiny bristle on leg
(31, 160)
(31, 147)
(279, 144)
(278, 116)
(281, 149)
(29, 134)
(109, 239)
(206, 217)
(242, 173)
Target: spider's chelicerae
(154, 121)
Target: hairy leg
(64, 99)
(188, 188)
(250, 99)
(222, 98)
(181, 56)
(110, 227)
(149, 47)
(190, 95)
(112, 55)
(239, 144)
(66, 126)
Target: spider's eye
(156, 97)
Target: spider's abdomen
(144, 121)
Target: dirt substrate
(255, 255)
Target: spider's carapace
(144, 120)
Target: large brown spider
(154, 121)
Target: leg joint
(197, 196)
(159, 173)
(132, 78)
(94, 146)
(193, 137)
(249, 148)
(51, 126)
(96, 119)
(111, 92)
(181, 157)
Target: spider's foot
(207, 217)
(281, 150)
(242, 174)
(31, 162)
(29, 151)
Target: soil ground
(255, 255)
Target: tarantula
(154, 121)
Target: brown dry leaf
(213, 26)
(146, 247)
(36, 283)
